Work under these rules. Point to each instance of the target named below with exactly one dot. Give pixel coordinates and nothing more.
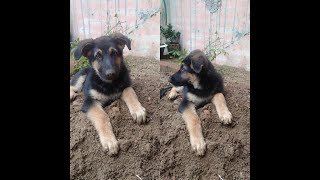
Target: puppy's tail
(77, 82)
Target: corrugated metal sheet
(138, 19)
(202, 21)
(93, 18)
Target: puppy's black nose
(170, 79)
(111, 75)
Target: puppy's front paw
(72, 95)
(198, 145)
(110, 145)
(172, 95)
(225, 117)
(139, 114)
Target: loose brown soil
(160, 149)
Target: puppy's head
(105, 54)
(192, 67)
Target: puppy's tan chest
(102, 97)
(196, 99)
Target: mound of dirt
(228, 147)
(139, 144)
(160, 149)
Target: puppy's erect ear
(84, 48)
(198, 61)
(121, 40)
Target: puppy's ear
(197, 63)
(84, 48)
(122, 40)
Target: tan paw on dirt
(172, 95)
(226, 117)
(139, 114)
(198, 145)
(111, 146)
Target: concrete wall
(200, 20)
(139, 20)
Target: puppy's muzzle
(111, 75)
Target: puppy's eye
(114, 53)
(183, 69)
(98, 56)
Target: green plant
(171, 35)
(118, 27)
(215, 51)
(215, 48)
(175, 53)
(74, 45)
(183, 54)
(179, 54)
(163, 31)
(83, 62)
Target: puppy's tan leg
(101, 122)
(174, 92)
(136, 110)
(193, 123)
(223, 112)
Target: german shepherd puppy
(105, 81)
(200, 84)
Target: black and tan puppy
(200, 84)
(105, 81)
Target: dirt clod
(124, 145)
(115, 109)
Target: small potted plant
(172, 37)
